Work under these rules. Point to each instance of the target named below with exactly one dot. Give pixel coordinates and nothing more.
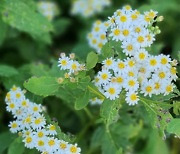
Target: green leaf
(176, 107)
(17, 146)
(7, 71)
(158, 115)
(106, 52)
(21, 16)
(43, 86)
(174, 127)
(155, 144)
(109, 111)
(91, 60)
(3, 31)
(82, 101)
(5, 140)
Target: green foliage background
(29, 49)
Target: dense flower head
(152, 75)
(48, 9)
(87, 8)
(133, 29)
(31, 123)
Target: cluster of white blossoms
(48, 9)
(132, 29)
(140, 72)
(97, 37)
(87, 8)
(68, 63)
(31, 124)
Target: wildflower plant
(122, 91)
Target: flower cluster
(32, 125)
(87, 8)
(132, 29)
(48, 9)
(68, 63)
(140, 71)
(97, 37)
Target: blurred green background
(30, 49)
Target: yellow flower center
(96, 29)
(63, 62)
(74, 66)
(63, 145)
(162, 75)
(73, 149)
(100, 45)
(111, 91)
(40, 143)
(104, 76)
(142, 56)
(14, 125)
(116, 32)
(37, 121)
(35, 108)
(125, 32)
(169, 88)
(131, 63)
(131, 83)
(52, 127)
(153, 62)
(12, 106)
(119, 79)
(173, 70)
(103, 36)
(121, 65)
(129, 47)
(108, 62)
(94, 41)
(18, 95)
(140, 39)
(130, 73)
(164, 61)
(142, 70)
(123, 18)
(148, 89)
(133, 97)
(51, 142)
(24, 103)
(157, 85)
(40, 134)
(137, 29)
(134, 16)
(28, 140)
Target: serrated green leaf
(82, 101)
(17, 146)
(43, 86)
(174, 127)
(109, 111)
(159, 116)
(19, 15)
(7, 71)
(91, 60)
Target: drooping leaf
(20, 15)
(91, 60)
(82, 101)
(6, 139)
(43, 86)
(7, 71)
(174, 127)
(17, 146)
